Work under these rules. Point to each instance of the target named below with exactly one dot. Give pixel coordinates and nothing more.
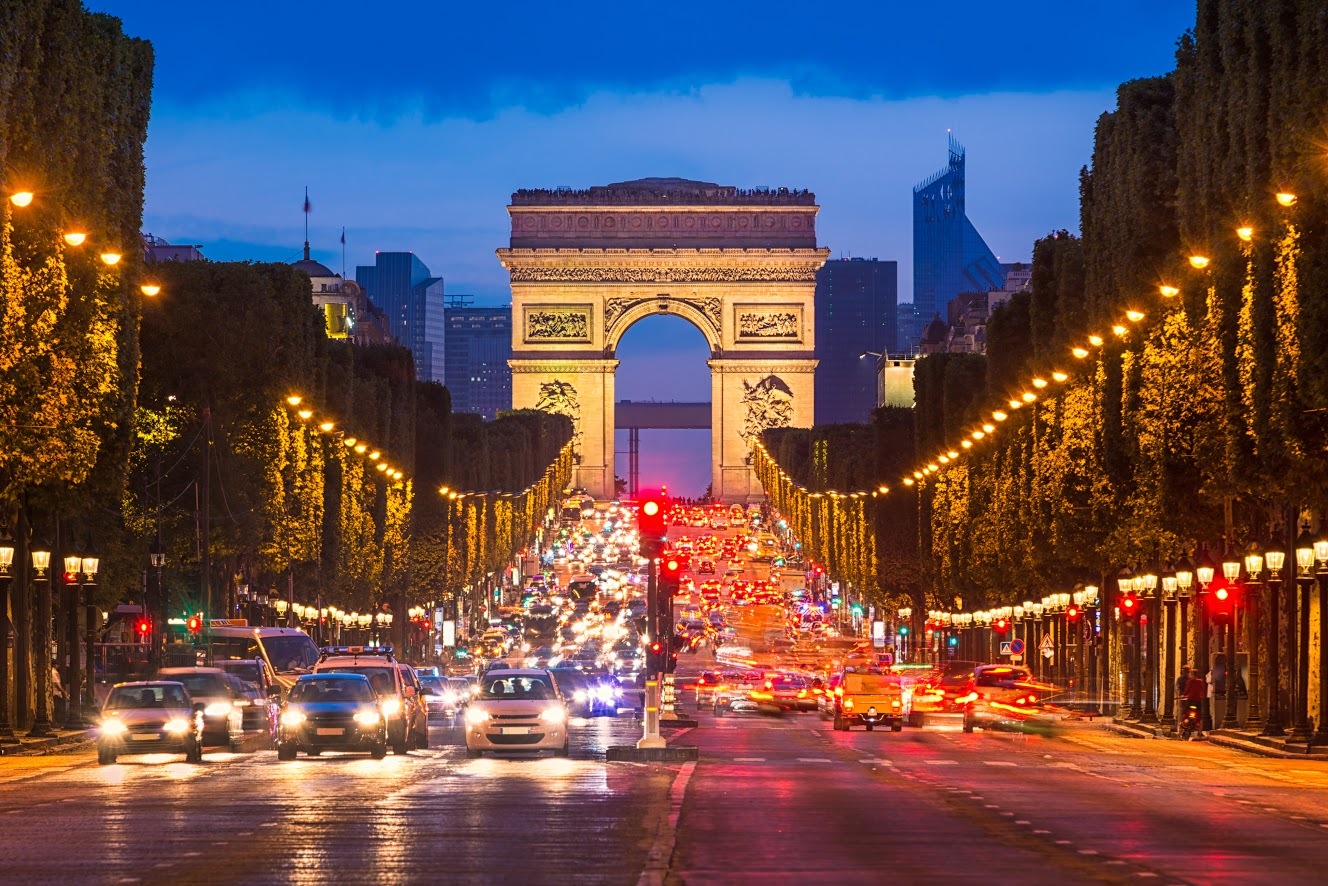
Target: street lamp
(1170, 585)
(1275, 558)
(1300, 720)
(1125, 583)
(1147, 583)
(6, 578)
(91, 566)
(1321, 555)
(41, 563)
(1254, 564)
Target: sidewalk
(63, 739)
(1238, 739)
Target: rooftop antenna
(307, 207)
(343, 252)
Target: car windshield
(251, 671)
(128, 698)
(511, 686)
(291, 652)
(433, 682)
(331, 691)
(868, 683)
(570, 680)
(200, 685)
(379, 677)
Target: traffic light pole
(651, 738)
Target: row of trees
(1205, 421)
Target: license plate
(331, 732)
(145, 736)
(515, 730)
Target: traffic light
(195, 626)
(952, 641)
(650, 523)
(1222, 604)
(903, 630)
(655, 652)
(144, 627)
(1072, 613)
(1001, 626)
(670, 574)
(1129, 606)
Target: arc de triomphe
(740, 265)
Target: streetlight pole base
(1273, 728)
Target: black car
(331, 711)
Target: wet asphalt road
(783, 800)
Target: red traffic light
(1000, 625)
(1129, 605)
(195, 624)
(1221, 594)
(1072, 613)
(656, 647)
(144, 626)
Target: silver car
(150, 718)
(517, 710)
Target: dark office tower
(399, 285)
(949, 255)
(479, 344)
(855, 316)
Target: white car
(517, 710)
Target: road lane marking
(999, 762)
(813, 760)
(749, 759)
(876, 761)
(666, 838)
(942, 762)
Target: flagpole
(306, 222)
(343, 252)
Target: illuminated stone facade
(739, 265)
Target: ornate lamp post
(1147, 582)
(1125, 584)
(1231, 564)
(91, 566)
(1169, 588)
(1204, 571)
(1275, 559)
(157, 604)
(1184, 588)
(1091, 631)
(41, 563)
(6, 579)
(1300, 659)
(1254, 563)
(1321, 555)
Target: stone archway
(738, 265)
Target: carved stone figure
(768, 324)
(569, 324)
(766, 404)
(559, 398)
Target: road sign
(1047, 643)
(1007, 648)
(878, 634)
(1016, 647)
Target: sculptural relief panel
(558, 324)
(768, 324)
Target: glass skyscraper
(479, 344)
(400, 285)
(855, 315)
(949, 255)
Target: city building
(478, 346)
(909, 326)
(155, 249)
(894, 381)
(347, 312)
(949, 255)
(400, 285)
(855, 304)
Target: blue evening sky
(412, 122)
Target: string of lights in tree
(1041, 383)
(356, 445)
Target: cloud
(439, 188)
(475, 59)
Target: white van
(290, 652)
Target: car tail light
(848, 704)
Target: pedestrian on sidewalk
(1182, 680)
(1195, 692)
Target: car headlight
(554, 715)
(217, 709)
(292, 718)
(449, 698)
(178, 726)
(113, 727)
(368, 717)
(476, 716)
(391, 707)
(579, 696)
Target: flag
(307, 207)
(343, 236)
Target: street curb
(678, 723)
(34, 746)
(1239, 742)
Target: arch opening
(662, 364)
